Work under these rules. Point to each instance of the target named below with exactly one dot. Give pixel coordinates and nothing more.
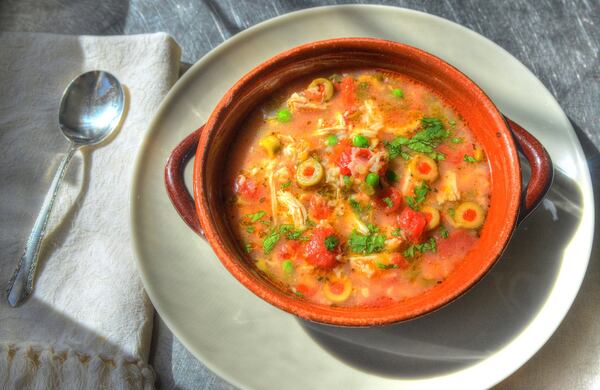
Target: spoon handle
(20, 285)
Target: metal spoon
(90, 109)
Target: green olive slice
(327, 87)
(309, 173)
(423, 168)
(469, 215)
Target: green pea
(284, 115)
(397, 92)
(372, 179)
(332, 140)
(360, 141)
(288, 267)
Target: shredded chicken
(448, 190)
(340, 125)
(296, 209)
(297, 102)
(364, 264)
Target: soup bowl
(500, 137)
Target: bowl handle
(178, 193)
(542, 171)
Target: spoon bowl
(91, 108)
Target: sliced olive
(309, 173)
(271, 144)
(469, 215)
(327, 87)
(337, 290)
(423, 168)
(432, 215)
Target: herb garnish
(469, 159)
(425, 141)
(373, 242)
(256, 216)
(286, 185)
(331, 242)
(415, 249)
(291, 233)
(270, 241)
(250, 229)
(420, 194)
(388, 202)
(386, 266)
(443, 231)
(248, 248)
(456, 140)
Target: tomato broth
(358, 188)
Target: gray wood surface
(558, 40)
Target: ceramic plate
(475, 341)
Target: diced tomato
(400, 261)
(247, 188)
(348, 93)
(412, 223)
(343, 160)
(394, 196)
(363, 153)
(459, 242)
(318, 208)
(289, 249)
(317, 253)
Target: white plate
(474, 342)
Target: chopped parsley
(270, 241)
(416, 249)
(425, 141)
(286, 185)
(386, 266)
(291, 233)
(388, 202)
(456, 140)
(443, 231)
(366, 244)
(248, 248)
(451, 212)
(420, 194)
(256, 216)
(331, 242)
(250, 229)
(298, 293)
(311, 223)
(356, 206)
(469, 159)
(347, 181)
(397, 232)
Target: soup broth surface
(358, 188)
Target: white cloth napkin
(88, 323)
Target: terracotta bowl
(210, 144)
